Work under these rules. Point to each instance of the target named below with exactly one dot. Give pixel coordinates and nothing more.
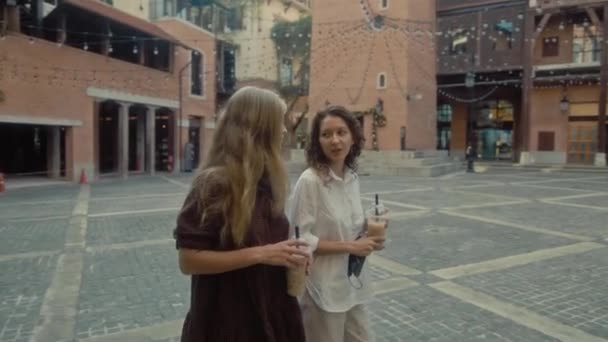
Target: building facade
(521, 80)
(90, 90)
(264, 43)
(377, 59)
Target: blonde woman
(232, 234)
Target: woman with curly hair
(326, 205)
(232, 232)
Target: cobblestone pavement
(501, 256)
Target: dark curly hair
(314, 153)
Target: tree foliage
(292, 38)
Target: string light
(342, 53)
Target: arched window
(381, 80)
(444, 126)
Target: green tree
(292, 40)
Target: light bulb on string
(135, 50)
(155, 50)
(86, 46)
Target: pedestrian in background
(470, 156)
(232, 232)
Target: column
(171, 57)
(96, 137)
(4, 22)
(526, 89)
(177, 143)
(70, 164)
(123, 139)
(600, 156)
(142, 53)
(151, 139)
(106, 43)
(141, 142)
(62, 29)
(13, 19)
(54, 152)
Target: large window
(586, 44)
(381, 82)
(196, 74)
(286, 71)
(494, 129)
(444, 123)
(495, 113)
(551, 47)
(444, 113)
(162, 8)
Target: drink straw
(376, 206)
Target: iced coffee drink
(376, 227)
(296, 277)
(376, 219)
(296, 281)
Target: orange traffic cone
(2, 187)
(83, 177)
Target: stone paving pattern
(130, 287)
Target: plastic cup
(296, 280)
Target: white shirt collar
(349, 175)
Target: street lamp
(469, 83)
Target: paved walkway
(501, 256)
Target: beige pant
(323, 326)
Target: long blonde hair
(246, 147)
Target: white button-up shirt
(329, 208)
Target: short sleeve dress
(249, 304)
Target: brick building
(522, 80)
(377, 54)
(89, 88)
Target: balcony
(303, 5)
(548, 4)
(450, 5)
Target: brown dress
(249, 304)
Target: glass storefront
(494, 130)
